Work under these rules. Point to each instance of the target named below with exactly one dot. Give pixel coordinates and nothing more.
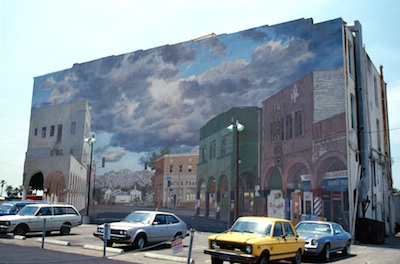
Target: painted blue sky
(40, 37)
(149, 99)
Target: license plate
(225, 257)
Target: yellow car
(256, 239)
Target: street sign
(177, 246)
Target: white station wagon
(59, 217)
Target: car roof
(19, 202)
(42, 204)
(264, 218)
(153, 212)
(318, 222)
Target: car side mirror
(155, 223)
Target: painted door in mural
(296, 202)
(276, 204)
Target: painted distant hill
(123, 179)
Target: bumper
(6, 229)
(232, 256)
(115, 238)
(312, 251)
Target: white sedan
(140, 228)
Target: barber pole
(317, 205)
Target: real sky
(43, 36)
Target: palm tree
(3, 182)
(9, 190)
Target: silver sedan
(323, 238)
(140, 228)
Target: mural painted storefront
(306, 149)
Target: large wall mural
(148, 99)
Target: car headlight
(248, 249)
(214, 244)
(100, 230)
(123, 232)
(314, 242)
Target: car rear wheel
(297, 258)
(140, 241)
(215, 260)
(264, 259)
(346, 250)
(20, 230)
(326, 253)
(65, 229)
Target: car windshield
(28, 210)
(142, 217)
(313, 227)
(252, 226)
(5, 208)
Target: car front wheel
(326, 253)
(297, 258)
(140, 241)
(264, 259)
(346, 250)
(215, 260)
(20, 230)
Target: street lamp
(236, 127)
(91, 142)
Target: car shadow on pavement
(335, 257)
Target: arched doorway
(332, 187)
(275, 199)
(223, 207)
(248, 193)
(298, 192)
(36, 181)
(54, 187)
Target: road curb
(53, 241)
(101, 248)
(166, 257)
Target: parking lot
(81, 241)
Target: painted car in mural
(254, 239)
(324, 238)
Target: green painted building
(227, 157)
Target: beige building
(57, 156)
(175, 180)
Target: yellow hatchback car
(256, 239)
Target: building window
(376, 92)
(36, 131)
(52, 130)
(203, 154)
(171, 168)
(282, 129)
(350, 59)
(353, 112)
(223, 146)
(190, 168)
(378, 134)
(289, 125)
(180, 167)
(299, 123)
(73, 128)
(43, 132)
